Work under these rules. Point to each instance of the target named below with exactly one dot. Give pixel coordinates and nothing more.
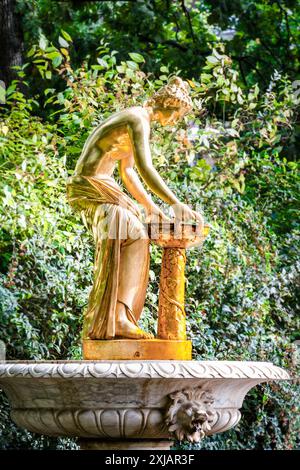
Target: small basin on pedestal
(177, 235)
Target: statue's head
(171, 102)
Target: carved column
(174, 239)
(171, 314)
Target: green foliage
(261, 35)
(265, 35)
(228, 157)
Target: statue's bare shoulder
(106, 136)
(127, 117)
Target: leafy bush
(230, 158)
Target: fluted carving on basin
(111, 423)
(224, 419)
(103, 423)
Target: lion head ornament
(190, 414)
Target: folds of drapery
(112, 217)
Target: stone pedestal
(131, 404)
(174, 239)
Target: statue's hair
(175, 94)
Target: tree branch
(188, 17)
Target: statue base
(142, 349)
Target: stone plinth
(131, 349)
(139, 404)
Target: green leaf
(120, 68)
(43, 43)
(164, 69)
(61, 98)
(66, 36)
(132, 65)
(62, 42)
(53, 54)
(57, 60)
(240, 99)
(31, 51)
(11, 89)
(2, 94)
(102, 62)
(136, 57)
(212, 59)
(206, 77)
(130, 73)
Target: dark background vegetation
(68, 65)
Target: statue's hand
(154, 214)
(184, 214)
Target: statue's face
(167, 116)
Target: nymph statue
(121, 265)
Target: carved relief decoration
(145, 369)
(190, 414)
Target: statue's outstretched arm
(134, 185)
(139, 131)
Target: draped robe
(113, 219)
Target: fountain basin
(145, 404)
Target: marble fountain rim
(142, 369)
(219, 387)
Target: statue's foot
(126, 329)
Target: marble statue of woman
(121, 263)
